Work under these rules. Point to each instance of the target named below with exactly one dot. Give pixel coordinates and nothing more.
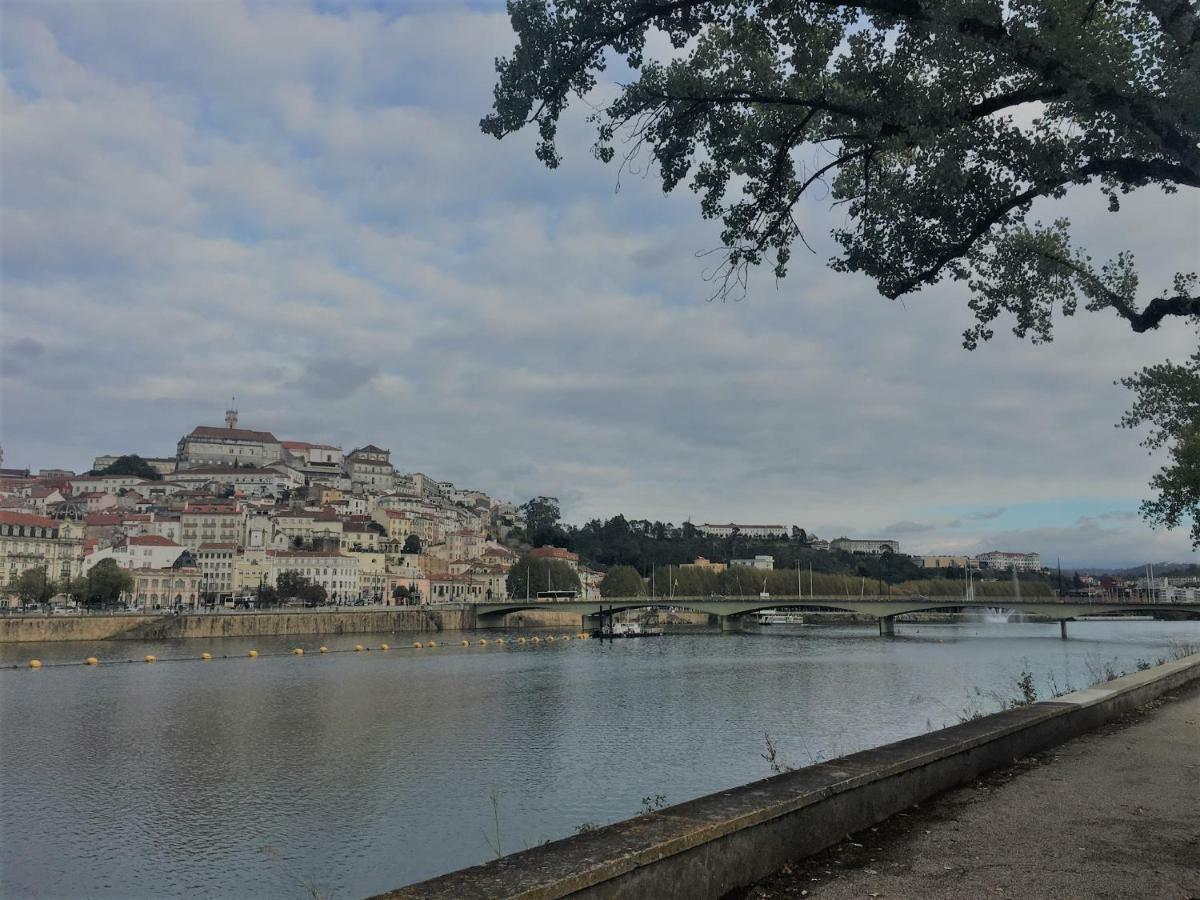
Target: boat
(780, 618)
(627, 630)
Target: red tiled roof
(7, 517)
(102, 519)
(151, 540)
(553, 553)
(232, 434)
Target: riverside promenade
(1112, 813)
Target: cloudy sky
(295, 206)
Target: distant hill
(1160, 568)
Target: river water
(351, 773)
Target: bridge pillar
(1062, 626)
(731, 623)
(887, 626)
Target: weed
(651, 804)
(495, 845)
(772, 757)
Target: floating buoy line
(208, 656)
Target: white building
(1002, 561)
(758, 562)
(370, 469)
(751, 531)
(208, 445)
(216, 563)
(142, 551)
(869, 547)
(332, 570)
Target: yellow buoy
(151, 658)
(520, 640)
(566, 637)
(431, 644)
(358, 648)
(466, 643)
(324, 649)
(91, 661)
(535, 640)
(252, 654)
(35, 664)
(417, 645)
(297, 651)
(499, 640)
(206, 656)
(483, 642)
(549, 639)
(385, 647)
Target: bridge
(885, 609)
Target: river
(350, 773)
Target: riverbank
(1109, 814)
(275, 623)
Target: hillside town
(240, 518)
(236, 508)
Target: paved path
(1112, 814)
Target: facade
(167, 588)
(36, 542)
(332, 570)
(1003, 561)
(948, 562)
(869, 547)
(216, 563)
(765, 563)
(754, 531)
(248, 480)
(705, 565)
(208, 445)
(204, 524)
(370, 469)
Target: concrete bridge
(884, 609)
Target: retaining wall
(715, 844)
(28, 629)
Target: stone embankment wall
(28, 629)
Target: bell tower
(231, 413)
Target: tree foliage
(412, 544)
(622, 581)
(1168, 400)
(106, 582)
(534, 573)
(130, 464)
(932, 126)
(541, 515)
(34, 587)
(291, 584)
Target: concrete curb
(714, 844)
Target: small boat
(627, 630)
(780, 618)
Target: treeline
(651, 546)
(739, 581)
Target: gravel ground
(1112, 814)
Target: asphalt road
(1112, 814)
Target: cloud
(908, 527)
(296, 206)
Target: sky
(295, 206)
